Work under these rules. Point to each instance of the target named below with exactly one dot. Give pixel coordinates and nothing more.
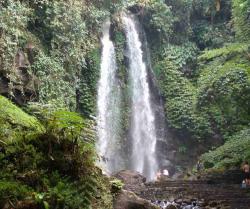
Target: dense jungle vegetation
(49, 69)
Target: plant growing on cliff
(180, 103)
(116, 185)
(54, 86)
(12, 39)
(241, 17)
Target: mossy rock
(15, 123)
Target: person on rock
(166, 173)
(246, 170)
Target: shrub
(231, 154)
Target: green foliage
(102, 197)
(14, 18)
(211, 36)
(116, 185)
(58, 121)
(231, 154)
(226, 51)
(67, 122)
(160, 18)
(224, 87)
(66, 194)
(11, 190)
(215, 10)
(157, 16)
(15, 123)
(87, 86)
(68, 35)
(181, 11)
(241, 17)
(12, 14)
(54, 87)
(218, 102)
(72, 27)
(95, 13)
(53, 168)
(180, 102)
(210, 23)
(62, 66)
(180, 55)
(69, 26)
(204, 6)
(62, 36)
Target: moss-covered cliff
(16, 124)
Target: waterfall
(143, 131)
(108, 106)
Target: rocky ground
(210, 193)
(206, 195)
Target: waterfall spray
(108, 106)
(143, 131)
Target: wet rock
(199, 193)
(213, 204)
(183, 205)
(196, 207)
(188, 207)
(171, 199)
(187, 201)
(171, 206)
(133, 180)
(128, 200)
(201, 203)
(178, 201)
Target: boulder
(188, 207)
(133, 180)
(178, 201)
(128, 200)
(171, 206)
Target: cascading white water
(143, 131)
(108, 105)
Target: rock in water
(171, 207)
(128, 200)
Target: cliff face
(48, 57)
(18, 82)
